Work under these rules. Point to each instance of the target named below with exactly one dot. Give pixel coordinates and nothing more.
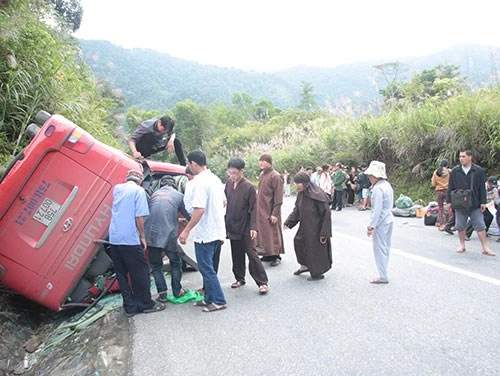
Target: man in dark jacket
(241, 226)
(161, 228)
(155, 135)
(469, 176)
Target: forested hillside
(154, 80)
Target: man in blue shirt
(128, 242)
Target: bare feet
(461, 249)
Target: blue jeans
(156, 260)
(204, 256)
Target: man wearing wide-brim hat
(381, 221)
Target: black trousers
(240, 248)
(146, 145)
(337, 201)
(130, 260)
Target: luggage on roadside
(430, 217)
(403, 202)
(406, 212)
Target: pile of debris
(36, 341)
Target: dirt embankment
(103, 348)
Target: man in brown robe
(241, 226)
(269, 201)
(312, 241)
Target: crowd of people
(344, 185)
(251, 219)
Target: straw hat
(376, 169)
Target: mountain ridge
(150, 79)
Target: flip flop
(212, 308)
(200, 303)
(379, 282)
(488, 253)
(182, 292)
(156, 308)
(237, 284)
(263, 289)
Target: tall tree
(390, 74)
(264, 110)
(307, 102)
(193, 124)
(70, 11)
(242, 104)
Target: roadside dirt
(101, 349)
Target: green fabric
(189, 296)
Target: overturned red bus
(55, 209)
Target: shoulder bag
(461, 199)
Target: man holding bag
(467, 195)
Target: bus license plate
(46, 211)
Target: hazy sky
(268, 35)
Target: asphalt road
(438, 316)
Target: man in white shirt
(208, 228)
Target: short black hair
(167, 180)
(467, 151)
(167, 122)
(236, 163)
(197, 156)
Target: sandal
(200, 303)
(263, 289)
(378, 281)
(156, 308)
(488, 253)
(212, 308)
(237, 284)
(162, 298)
(182, 292)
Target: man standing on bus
(155, 135)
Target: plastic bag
(404, 202)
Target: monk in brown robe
(269, 201)
(241, 226)
(312, 241)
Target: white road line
(428, 261)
